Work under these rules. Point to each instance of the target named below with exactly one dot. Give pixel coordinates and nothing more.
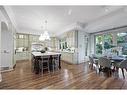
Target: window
(99, 44)
(122, 42)
(103, 42)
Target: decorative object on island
(45, 35)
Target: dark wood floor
(69, 77)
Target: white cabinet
(22, 55)
(69, 57)
(70, 39)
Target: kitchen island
(37, 55)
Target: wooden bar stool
(44, 64)
(55, 62)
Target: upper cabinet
(70, 39)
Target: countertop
(45, 54)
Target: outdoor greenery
(99, 44)
(107, 39)
(120, 39)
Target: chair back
(45, 59)
(123, 64)
(105, 62)
(91, 60)
(55, 59)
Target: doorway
(6, 47)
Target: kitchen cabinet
(69, 57)
(25, 55)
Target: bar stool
(44, 64)
(55, 62)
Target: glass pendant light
(45, 35)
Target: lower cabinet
(69, 57)
(22, 55)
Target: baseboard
(73, 63)
(14, 66)
(19, 61)
(6, 69)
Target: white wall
(81, 46)
(0, 53)
(6, 40)
(92, 44)
(6, 45)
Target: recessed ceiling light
(106, 9)
(69, 11)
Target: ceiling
(30, 19)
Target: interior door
(0, 53)
(6, 47)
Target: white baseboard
(6, 70)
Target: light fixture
(45, 35)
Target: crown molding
(72, 27)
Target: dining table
(115, 60)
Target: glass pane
(99, 44)
(122, 42)
(108, 41)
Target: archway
(6, 47)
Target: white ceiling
(30, 19)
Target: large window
(103, 42)
(110, 42)
(122, 42)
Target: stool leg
(42, 68)
(58, 65)
(123, 73)
(48, 68)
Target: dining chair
(55, 62)
(123, 65)
(44, 64)
(92, 63)
(105, 64)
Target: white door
(6, 47)
(0, 53)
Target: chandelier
(45, 35)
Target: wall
(0, 52)
(6, 46)
(7, 40)
(92, 44)
(81, 46)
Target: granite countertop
(45, 54)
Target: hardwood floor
(69, 77)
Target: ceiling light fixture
(69, 11)
(45, 35)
